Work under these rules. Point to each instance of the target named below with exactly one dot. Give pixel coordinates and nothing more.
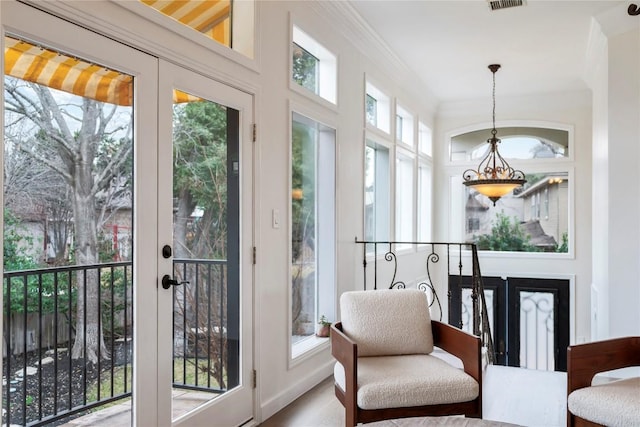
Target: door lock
(167, 282)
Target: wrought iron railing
(200, 326)
(46, 374)
(385, 253)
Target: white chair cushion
(612, 404)
(411, 380)
(387, 322)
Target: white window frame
(327, 66)
(456, 214)
(407, 131)
(383, 110)
(424, 202)
(382, 190)
(404, 200)
(326, 226)
(425, 140)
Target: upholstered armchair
(608, 403)
(385, 367)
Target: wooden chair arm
(343, 348)
(461, 344)
(346, 352)
(584, 361)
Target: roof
(538, 237)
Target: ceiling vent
(503, 4)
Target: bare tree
(66, 138)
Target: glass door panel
(205, 345)
(71, 276)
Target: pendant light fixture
(494, 177)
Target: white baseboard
(284, 398)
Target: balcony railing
(46, 374)
(386, 273)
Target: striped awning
(209, 17)
(56, 70)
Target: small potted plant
(324, 326)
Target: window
(305, 68)
(546, 203)
(404, 126)
(313, 67)
(473, 224)
(535, 217)
(312, 228)
(521, 143)
(425, 140)
(377, 108)
(515, 224)
(216, 21)
(398, 127)
(424, 202)
(404, 197)
(376, 192)
(371, 108)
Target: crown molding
(617, 20)
(348, 22)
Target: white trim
(309, 346)
(327, 62)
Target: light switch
(275, 218)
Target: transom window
(313, 66)
(522, 143)
(377, 108)
(228, 22)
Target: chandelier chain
(493, 97)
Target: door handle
(167, 282)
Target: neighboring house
(541, 209)
(546, 209)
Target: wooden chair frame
(584, 361)
(465, 346)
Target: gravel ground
(55, 380)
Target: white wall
(615, 61)
(281, 380)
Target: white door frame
(235, 406)
(36, 25)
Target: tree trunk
(89, 340)
(186, 205)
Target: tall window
(425, 182)
(312, 227)
(424, 202)
(313, 67)
(376, 192)
(404, 197)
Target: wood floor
(513, 395)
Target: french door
(205, 212)
(166, 194)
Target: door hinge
(254, 378)
(254, 255)
(255, 132)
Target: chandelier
(494, 177)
